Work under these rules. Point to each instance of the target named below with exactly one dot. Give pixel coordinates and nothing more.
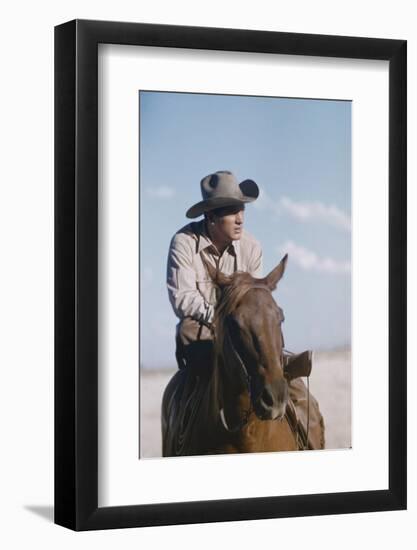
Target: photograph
(245, 274)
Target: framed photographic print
(230, 254)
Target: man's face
(228, 222)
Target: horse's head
(249, 337)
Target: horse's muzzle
(273, 400)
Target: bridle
(247, 377)
(246, 413)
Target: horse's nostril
(267, 398)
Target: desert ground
(330, 383)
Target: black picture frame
(76, 272)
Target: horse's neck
(229, 396)
(267, 435)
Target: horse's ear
(273, 278)
(218, 278)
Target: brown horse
(241, 404)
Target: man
(220, 239)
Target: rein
(247, 412)
(305, 445)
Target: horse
(241, 404)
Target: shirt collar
(204, 240)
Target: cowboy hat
(222, 189)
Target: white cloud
(264, 201)
(310, 261)
(163, 192)
(316, 211)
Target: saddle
(187, 413)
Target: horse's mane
(231, 295)
(240, 283)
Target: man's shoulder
(248, 241)
(188, 234)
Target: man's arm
(183, 294)
(255, 266)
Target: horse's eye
(233, 323)
(256, 344)
(234, 327)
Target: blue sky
(299, 153)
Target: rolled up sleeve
(183, 294)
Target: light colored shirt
(190, 288)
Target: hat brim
(211, 204)
(250, 192)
